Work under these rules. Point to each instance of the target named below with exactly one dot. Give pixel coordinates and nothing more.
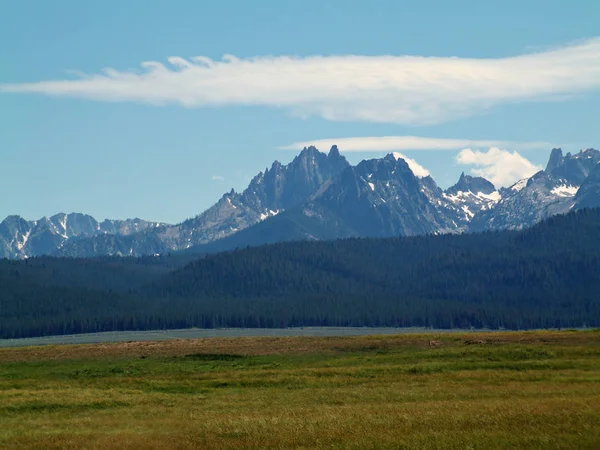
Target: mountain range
(20, 238)
(320, 196)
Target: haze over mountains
(321, 196)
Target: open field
(474, 390)
(197, 333)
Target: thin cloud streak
(400, 143)
(408, 90)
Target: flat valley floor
(504, 390)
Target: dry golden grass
(484, 390)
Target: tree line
(547, 276)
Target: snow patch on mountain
(232, 205)
(519, 185)
(471, 203)
(480, 197)
(493, 197)
(24, 238)
(468, 212)
(269, 213)
(565, 190)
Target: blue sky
(138, 143)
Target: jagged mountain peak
(466, 199)
(270, 192)
(309, 152)
(385, 169)
(544, 194)
(468, 183)
(573, 168)
(321, 196)
(555, 160)
(13, 219)
(377, 197)
(275, 166)
(334, 152)
(20, 238)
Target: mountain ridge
(321, 196)
(20, 238)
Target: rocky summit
(321, 196)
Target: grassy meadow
(507, 390)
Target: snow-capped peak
(416, 168)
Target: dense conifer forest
(547, 276)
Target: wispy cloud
(397, 89)
(400, 143)
(217, 178)
(501, 167)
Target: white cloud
(396, 143)
(416, 168)
(501, 167)
(397, 89)
(217, 178)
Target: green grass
(506, 391)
